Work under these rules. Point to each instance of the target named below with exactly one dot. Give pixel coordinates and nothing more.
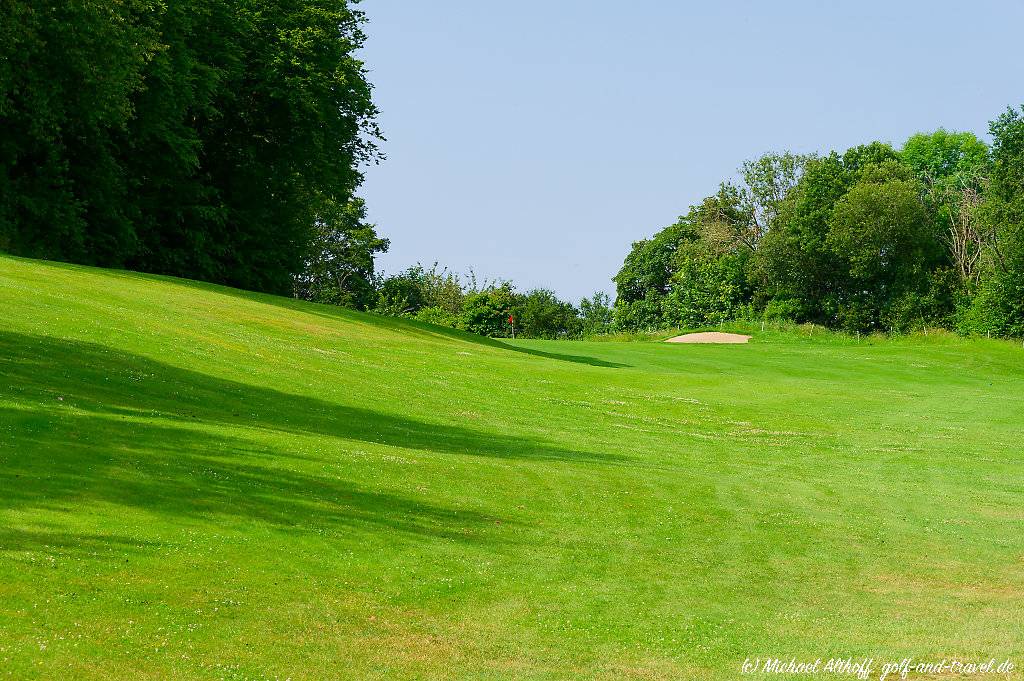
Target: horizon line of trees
(873, 239)
(876, 239)
(222, 140)
(439, 296)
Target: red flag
(510, 320)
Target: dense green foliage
(340, 268)
(695, 271)
(216, 139)
(443, 298)
(930, 235)
(998, 307)
(203, 483)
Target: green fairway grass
(198, 482)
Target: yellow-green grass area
(198, 482)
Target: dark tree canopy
(215, 139)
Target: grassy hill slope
(197, 482)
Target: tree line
(494, 309)
(874, 239)
(222, 140)
(213, 139)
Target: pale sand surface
(709, 337)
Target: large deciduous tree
(954, 167)
(881, 235)
(340, 266)
(69, 72)
(644, 279)
(695, 271)
(215, 139)
(795, 266)
(998, 306)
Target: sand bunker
(710, 337)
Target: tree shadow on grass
(86, 422)
(59, 541)
(104, 380)
(61, 462)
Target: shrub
(783, 310)
(486, 312)
(437, 315)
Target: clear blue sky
(535, 140)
